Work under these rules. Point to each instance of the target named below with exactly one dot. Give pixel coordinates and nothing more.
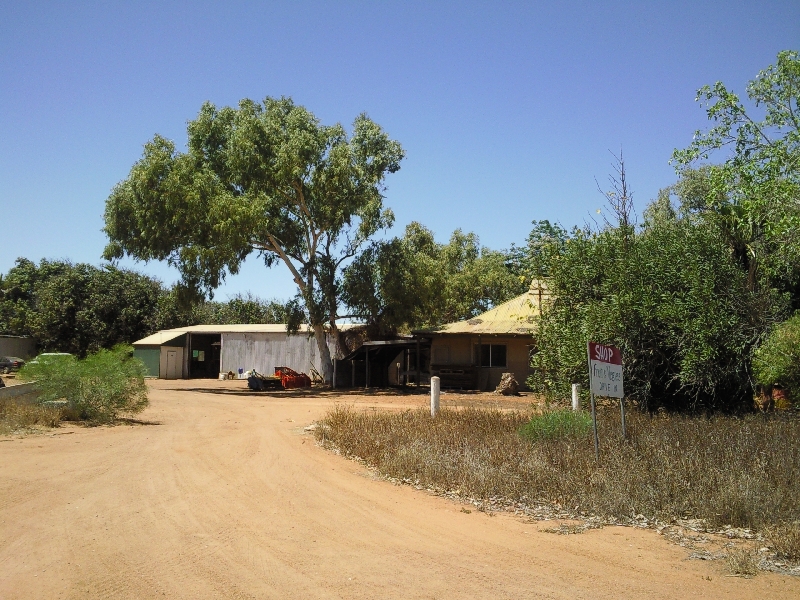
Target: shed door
(172, 364)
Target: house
(205, 351)
(473, 354)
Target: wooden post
(435, 390)
(479, 362)
(576, 399)
(594, 410)
(594, 425)
(419, 368)
(622, 410)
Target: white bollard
(576, 400)
(435, 390)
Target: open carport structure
(384, 363)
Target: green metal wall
(151, 357)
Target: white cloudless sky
(507, 111)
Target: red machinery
(291, 379)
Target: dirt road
(225, 496)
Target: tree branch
(279, 250)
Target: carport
(385, 363)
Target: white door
(172, 364)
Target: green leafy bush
(777, 361)
(672, 297)
(557, 424)
(97, 389)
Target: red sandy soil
(219, 493)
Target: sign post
(605, 379)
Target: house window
(492, 355)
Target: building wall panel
(180, 372)
(265, 351)
(461, 350)
(22, 347)
(151, 357)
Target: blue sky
(507, 111)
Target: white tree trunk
(324, 353)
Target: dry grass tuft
(742, 562)
(785, 540)
(726, 471)
(20, 416)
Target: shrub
(676, 303)
(777, 361)
(557, 424)
(785, 540)
(97, 389)
(742, 562)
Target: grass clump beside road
(786, 540)
(739, 472)
(557, 424)
(21, 416)
(97, 389)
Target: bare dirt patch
(229, 498)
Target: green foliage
(693, 293)
(413, 281)
(77, 308)
(754, 195)
(777, 361)
(98, 388)
(265, 178)
(676, 302)
(531, 261)
(557, 424)
(247, 308)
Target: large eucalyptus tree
(265, 178)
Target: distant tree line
(413, 282)
(81, 308)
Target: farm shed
(204, 351)
(473, 354)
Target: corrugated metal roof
(518, 316)
(160, 337)
(167, 334)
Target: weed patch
(785, 540)
(97, 389)
(18, 416)
(557, 424)
(742, 562)
(721, 471)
